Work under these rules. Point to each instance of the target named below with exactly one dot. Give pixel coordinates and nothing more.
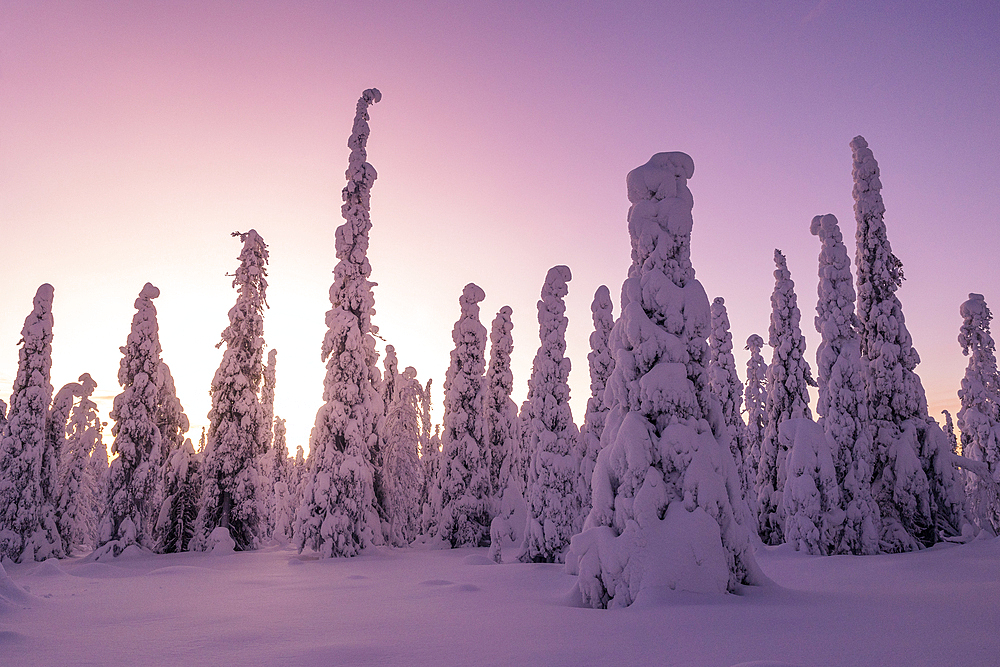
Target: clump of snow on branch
(665, 486)
(550, 436)
(337, 514)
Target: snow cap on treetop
(659, 177)
(43, 295)
(754, 342)
(472, 294)
(555, 282)
(819, 222)
(87, 383)
(149, 291)
(372, 95)
(975, 306)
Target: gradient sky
(136, 136)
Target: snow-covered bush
(28, 527)
(337, 514)
(464, 473)
(726, 385)
(979, 417)
(843, 403)
(550, 436)
(664, 488)
(788, 381)
(237, 432)
(602, 363)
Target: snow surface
(454, 607)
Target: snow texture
(28, 495)
(337, 514)
(550, 436)
(464, 473)
(788, 381)
(843, 403)
(602, 363)
(665, 485)
(232, 491)
(726, 385)
(979, 417)
(914, 482)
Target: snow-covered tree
(285, 480)
(337, 515)
(788, 380)
(28, 528)
(726, 385)
(755, 402)
(550, 435)
(182, 482)
(267, 394)
(918, 490)
(464, 472)
(601, 365)
(127, 516)
(402, 474)
(505, 442)
(843, 404)
(78, 488)
(979, 417)
(237, 432)
(949, 430)
(665, 489)
(814, 517)
(270, 460)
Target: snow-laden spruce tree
(128, 515)
(28, 528)
(505, 441)
(665, 487)
(268, 459)
(550, 435)
(726, 385)
(182, 482)
(755, 404)
(78, 488)
(918, 490)
(337, 515)
(286, 484)
(464, 474)
(237, 431)
(788, 380)
(979, 417)
(267, 394)
(843, 403)
(602, 363)
(402, 474)
(949, 430)
(813, 513)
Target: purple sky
(136, 136)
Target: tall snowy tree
(78, 487)
(286, 484)
(812, 507)
(131, 482)
(788, 380)
(917, 488)
(842, 404)
(726, 385)
(755, 400)
(464, 472)
(665, 489)
(269, 460)
(979, 417)
(402, 474)
(28, 528)
(550, 435)
(949, 430)
(337, 515)
(237, 432)
(601, 365)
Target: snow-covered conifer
(814, 517)
(237, 432)
(788, 381)
(465, 465)
(665, 489)
(918, 490)
(505, 442)
(402, 474)
(182, 482)
(843, 404)
(550, 435)
(285, 483)
(267, 394)
(28, 528)
(131, 481)
(337, 515)
(755, 402)
(78, 487)
(726, 385)
(601, 365)
(979, 417)
(270, 458)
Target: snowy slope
(455, 607)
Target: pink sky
(136, 136)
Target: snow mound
(220, 542)
(477, 559)
(10, 593)
(49, 568)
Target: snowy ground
(419, 607)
